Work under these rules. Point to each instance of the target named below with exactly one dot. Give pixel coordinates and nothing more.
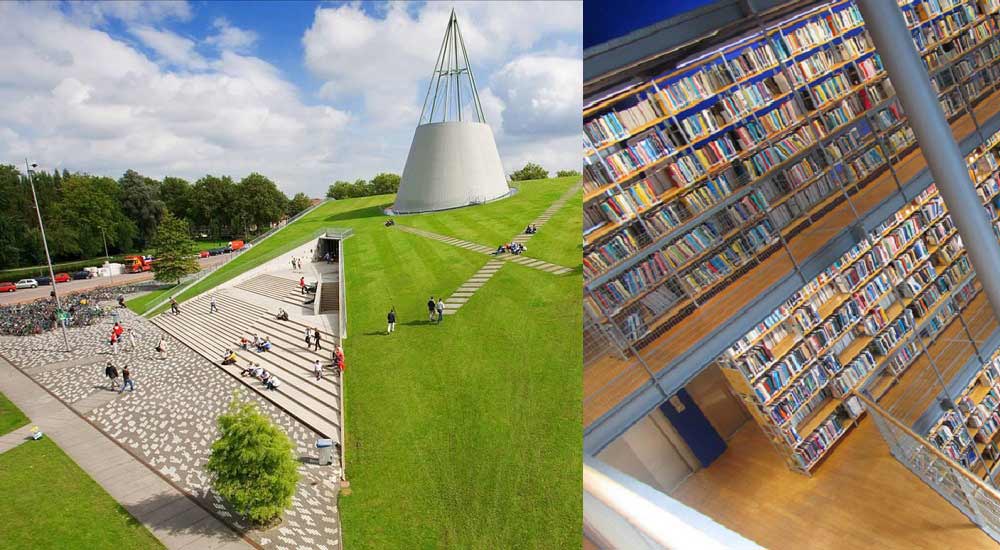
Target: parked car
(63, 277)
(26, 283)
(43, 281)
(82, 275)
(203, 254)
(7, 286)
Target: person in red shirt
(118, 330)
(302, 284)
(338, 357)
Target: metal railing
(194, 278)
(971, 495)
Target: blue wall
(605, 20)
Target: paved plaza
(169, 421)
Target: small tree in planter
(252, 464)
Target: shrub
(531, 171)
(252, 463)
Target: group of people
(512, 248)
(257, 343)
(313, 338)
(531, 229)
(390, 222)
(117, 333)
(435, 310)
(270, 381)
(112, 373)
(296, 264)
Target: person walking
(318, 369)
(440, 309)
(391, 318)
(131, 339)
(127, 380)
(431, 308)
(173, 306)
(112, 373)
(115, 317)
(302, 285)
(293, 264)
(338, 357)
(308, 338)
(114, 343)
(161, 348)
(212, 308)
(316, 339)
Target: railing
(621, 512)
(971, 495)
(194, 278)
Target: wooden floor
(860, 497)
(609, 380)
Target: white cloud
(74, 96)
(99, 11)
(103, 107)
(171, 47)
(232, 38)
(384, 61)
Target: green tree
(252, 463)
(384, 184)
(259, 202)
(172, 248)
(340, 190)
(213, 200)
(531, 171)
(176, 195)
(88, 205)
(299, 202)
(567, 173)
(140, 201)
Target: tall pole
(107, 258)
(48, 259)
(894, 44)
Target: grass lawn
(466, 433)
(11, 417)
(49, 502)
(497, 222)
(549, 243)
(139, 304)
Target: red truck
(137, 264)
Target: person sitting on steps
(272, 383)
(230, 357)
(282, 315)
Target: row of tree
(82, 211)
(532, 171)
(384, 184)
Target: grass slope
(497, 222)
(466, 433)
(549, 243)
(11, 417)
(49, 502)
(141, 303)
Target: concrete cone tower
(453, 160)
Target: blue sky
(304, 92)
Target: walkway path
(176, 520)
(475, 247)
(481, 277)
(12, 439)
(169, 422)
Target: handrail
(343, 415)
(869, 403)
(206, 272)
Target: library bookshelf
(675, 255)
(970, 432)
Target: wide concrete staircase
(329, 299)
(316, 403)
(278, 288)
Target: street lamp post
(107, 258)
(45, 243)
